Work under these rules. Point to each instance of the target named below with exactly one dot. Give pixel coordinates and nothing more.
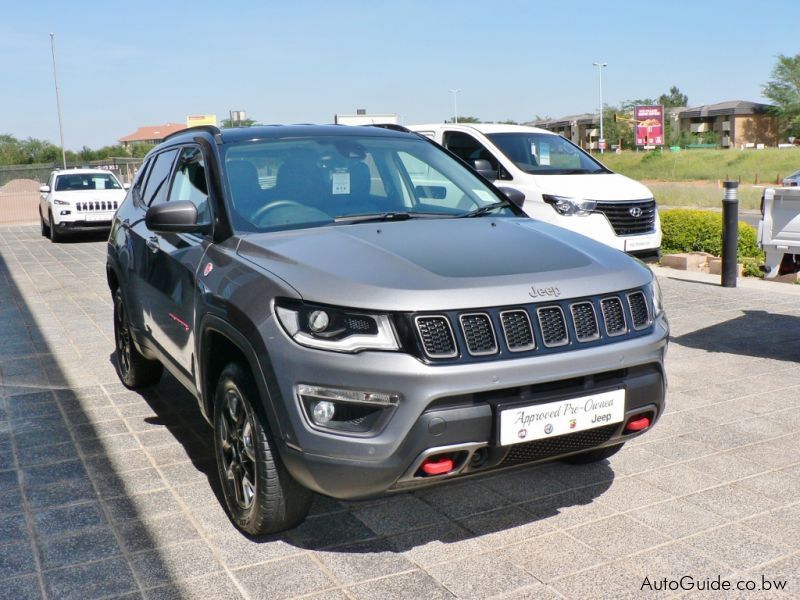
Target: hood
(91, 195)
(600, 186)
(441, 264)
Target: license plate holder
(530, 422)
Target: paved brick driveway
(106, 492)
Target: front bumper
(81, 220)
(446, 405)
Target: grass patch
(701, 194)
(706, 165)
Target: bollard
(730, 232)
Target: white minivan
(562, 184)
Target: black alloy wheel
(134, 370)
(261, 495)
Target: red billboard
(649, 122)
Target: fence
(19, 185)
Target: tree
(673, 98)
(465, 120)
(227, 123)
(784, 90)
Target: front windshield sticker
(484, 195)
(340, 181)
(544, 154)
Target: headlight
(570, 206)
(655, 293)
(336, 329)
(60, 202)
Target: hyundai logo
(635, 212)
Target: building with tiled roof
(151, 134)
(736, 123)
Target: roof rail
(392, 126)
(212, 129)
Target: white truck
(779, 231)
(562, 184)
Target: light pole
(58, 100)
(600, 66)
(455, 104)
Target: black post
(730, 232)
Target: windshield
(86, 181)
(278, 184)
(545, 154)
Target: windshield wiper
(485, 210)
(386, 216)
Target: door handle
(152, 243)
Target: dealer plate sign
(538, 421)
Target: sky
(122, 65)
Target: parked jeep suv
(358, 313)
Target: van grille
(630, 218)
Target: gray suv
(358, 312)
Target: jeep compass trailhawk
(358, 312)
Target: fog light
(323, 412)
(318, 321)
(65, 212)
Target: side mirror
(484, 167)
(516, 197)
(179, 216)
(45, 189)
(126, 186)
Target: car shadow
(521, 498)
(756, 333)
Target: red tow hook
(439, 466)
(638, 424)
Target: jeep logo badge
(539, 292)
(635, 212)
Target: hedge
(701, 231)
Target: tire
(134, 370)
(45, 229)
(261, 495)
(55, 235)
(593, 456)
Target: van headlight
(336, 329)
(570, 206)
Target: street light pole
(455, 104)
(58, 100)
(600, 66)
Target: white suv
(79, 199)
(562, 184)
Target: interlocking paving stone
(93, 580)
(286, 578)
(712, 489)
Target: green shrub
(701, 231)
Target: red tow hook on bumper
(438, 466)
(638, 424)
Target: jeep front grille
(585, 321)
(97, 205)
(517, 330)
(613, 316)
(553, 325)
(437, 337)
(498, 333)
(630, 218)
(639, 312)
(478, 334)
